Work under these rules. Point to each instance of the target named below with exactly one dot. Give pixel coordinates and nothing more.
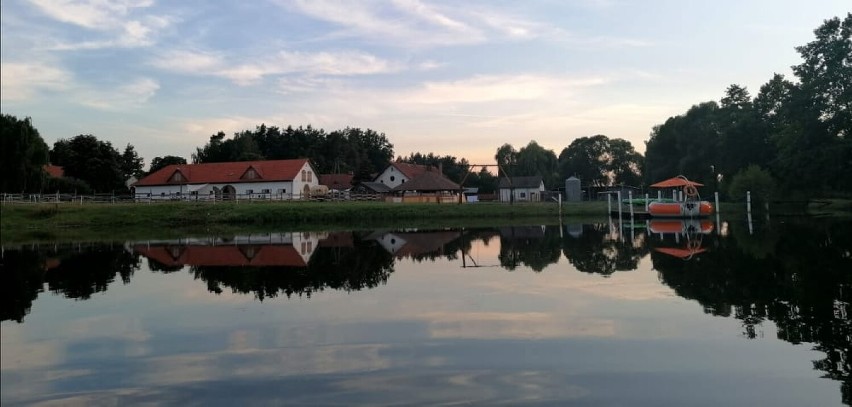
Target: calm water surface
(662, 314)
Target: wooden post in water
(609, 204)
(716, 198)
(748, 202)
(646, 202)
(630, 204)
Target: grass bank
(39, 222)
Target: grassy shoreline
(45, 222)
(126, 221)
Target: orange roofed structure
(273, 179)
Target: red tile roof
(230, 255)
(54, 171)
(411, 171)
(336, 181)
(230, 172)
(428, 181)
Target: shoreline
(45, 222)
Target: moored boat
(690, 207)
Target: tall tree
(23, 154)
(534, 159)
(161, 162)
(132, 165)
(96, 162)
(507, 159)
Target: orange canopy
(681, 253)
(679, 181)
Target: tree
(161, 162)
(24, 154)
(507, 159)
(599, 161)
(754, 179)
(93, 161)
(131, 164)
(826, 73)
(534, 159)
(625, 164)
(452, 167)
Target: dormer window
(250, 173)
(177, 177)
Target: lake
(649, 314)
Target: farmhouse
(276, 179)
(521, 189)
(399, 173)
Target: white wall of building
(522, 194)
(392, 177)
(244, 190)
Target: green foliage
(599, 161)
(754, 179)
(131, 164)
(23, 154)
(802, 131)
(453, 168)
(348, 150)
(66, 185)
(162, 162)
(530, 160)
(95, 162)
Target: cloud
(131, 94)
(119, 20)
(326, 63)
(22, 81)
(492, 88)
(416, 23)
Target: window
(304, 176)
(264, 191)
(310, 176)
(162, 194)
(392, 178)
(212, 192)
(250, 174)
(282, 191)
(523, 194)
(249, 191)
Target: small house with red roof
(272, 179)
(398, 173)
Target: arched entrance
(229, 193)
(306, 192)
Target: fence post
(630, 204)
(716, 198)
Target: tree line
(794, 135)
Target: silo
(573, 192)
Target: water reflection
(794, 274)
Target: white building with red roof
(398, 173)
(273, 179)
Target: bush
(66, 185)
(754, 179)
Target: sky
(450, 77)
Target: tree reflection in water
(795, 274)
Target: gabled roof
(521, 182)
(428, 181)
(336, 181)
(376, 187)
(229, 255)
(54, 171)
(412, 171)
(229, 172)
